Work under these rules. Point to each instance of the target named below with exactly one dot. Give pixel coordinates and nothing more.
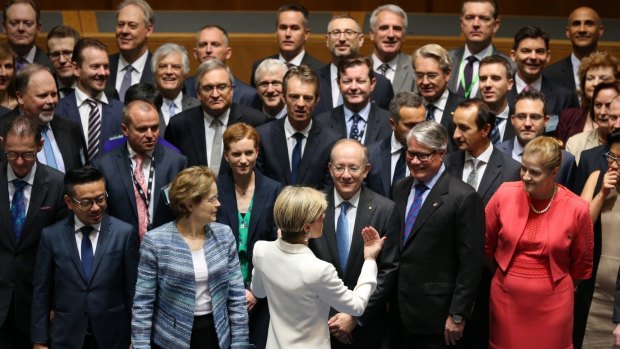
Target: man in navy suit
(295, 149)
(19, 242)
(495, 81)
(89, 106)
(292, 31)
(344, 38)
(85, 273)
(269, 75)
(357, 117)
(212, 42)
(60, 42)
(159, 166)
(406, 110)
(134, 25)
(197, 132)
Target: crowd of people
(461, 198)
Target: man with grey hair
(441, 246)
(388, 27)
(406, 110)
(197, 132)
(170, 64)
(268, 76)
(134, 25)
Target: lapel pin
(435, 204)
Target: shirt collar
(480, 55)
(289, 130)
(354, 200)
(295, 61)
(430, 184)
(395, 145)
(504, 114)
(133, 153)
(393, 63)
(223, 118)
(29, 178)
(348, 113)
(485, 156)
(177, 102)
(30, 55)
(575, 62)
(281, 114)
(517, 148)
(81, 97)
(521, 84)
(138, 64)
(441, 102)
(333, 71)
(78, 225)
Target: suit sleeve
(145, 294)
(332, 290)
(237, 310)
(42, 290)
(581, 248)
(132, 257)
(493, 226)
(257, 287)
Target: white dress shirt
(395, 148)
(351, 212)
(483, 159)
(94, 235)
(29, 178)
(136, 73)
(289, 131)
(210, 132)
(441, 105)
(84, 108)
(392, 64)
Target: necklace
(555, 190)
(242, 192)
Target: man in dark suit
(60, 42)
(388, 26)
(98, 116)
(479, 23)
(583, 29)
(292, 31)
(158, 166)
(21, 22)
(357, 118)
(132, 64)
(441, 246)
(295, 149)
(85, 272)
(344, 38)
(432, 69)
(212, 42)
(269, 75)
(197, 132)
(529, 121)
(530, 52)
(170, 65)
(64, 148)
(495, 81)
(19, 236)
(406, 110)
(351, 208)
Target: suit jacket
(110, 117)
(381, 95)
(377, 128)
(562, 73)
(40, 56)
(509, 131)
(591, 160)
(568, 169)
(456, 57)
(441, 260)
(581, 142)
(446, 118)
(308, 60)
(17, 258)
(103, 300)
(147, 73)
(404, 79)
(273, 158)
(262, 225)
(163, 309)
(379, 179)
(501, 168)
(187, 102)
(571, 122)
(376, 211)
(243, 93)
(558, 96)
(186, 131)
(68, 135)
(120, 188)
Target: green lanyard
(244, 227)
(474, 79)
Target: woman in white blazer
(300, 287)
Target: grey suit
(456, 56)
(404, 79)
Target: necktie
(468, 75)
(143, 212)
(400, 170)
(472, 179)
(172, 111)
(296, 158)
(94, 129)
(87, 250)
(495, 135)
(414, 209)
(526, 88)
(216, 151)
(383, 68)
(18, 207)
(50, 159)
(342, 235)
(126, 83)
(20, 63)
(290, 65)
(430, 112)
(355, 131)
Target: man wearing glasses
(198, 131)
(32, 200)
(269, 75)
(85, 273)
(60, 42)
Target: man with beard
(98, 116)
(269, 75)
(495, 81)
(37, 97)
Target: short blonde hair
(436, 52)
(191, 184)
(296, 207)
(549, 148)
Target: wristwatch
(457, 318)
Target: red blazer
(571, 237)
(571, 122)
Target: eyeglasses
(429, 76)
(88, 203)
(265, 84)
(26, 156)
(65, 53)
(611, 158)
(349, 34)
(213, 199)
(221, 88)
(423, 157)
(339, 169)
(533, 117)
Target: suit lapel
(330, 242)
(433, 201)
(160, 168)
(493, 170)
(454, 78)
(278, 136)
(402, 73)
(37, 194)
(122, 159)
(72, 247)
(373, 126)
(386, 157)
(363, 217)
(312, 144)
(5, 208)
(257, 207)
(197, 128)
(102, 244)
(338, 122)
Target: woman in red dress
(539, 237)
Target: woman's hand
(610, 180)
(616, 335)
(250, 300)
(372, 242)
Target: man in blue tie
(31, 199)
(85, 272)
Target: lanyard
(145, 197)
(474, 78)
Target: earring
(307, 235)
